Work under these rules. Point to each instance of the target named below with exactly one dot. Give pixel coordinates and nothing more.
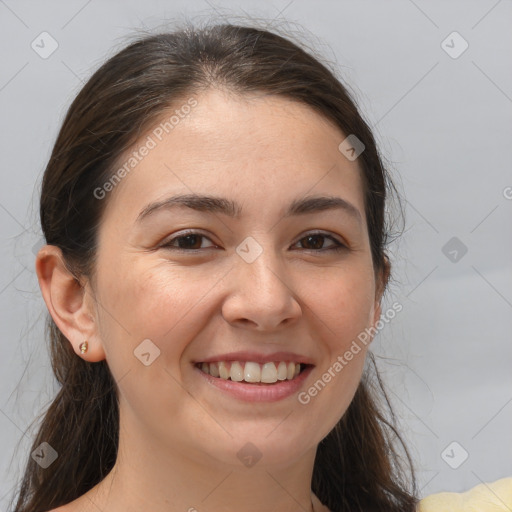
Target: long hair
(360, 465)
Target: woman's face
(253, 283)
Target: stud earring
(83, 347)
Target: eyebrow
(212, 204)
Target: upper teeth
(252, 372)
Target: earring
(83, 347)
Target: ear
(70, 303)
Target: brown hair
(357, 467)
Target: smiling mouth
(253, 373)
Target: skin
(179, 436)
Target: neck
(149, 475)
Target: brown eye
(315, 241)
(190, 241)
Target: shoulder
(485, 497)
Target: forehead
(261, 150)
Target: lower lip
(258, 393)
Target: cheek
(163, 304)
(160, 304)
(147, 300)
(343, 307)
(344, 303)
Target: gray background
(443, 123)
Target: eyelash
(337, 248)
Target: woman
(214, 216)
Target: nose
(261, 294)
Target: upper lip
(257, 357)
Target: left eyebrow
(212, 204)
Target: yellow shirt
(486, 497)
